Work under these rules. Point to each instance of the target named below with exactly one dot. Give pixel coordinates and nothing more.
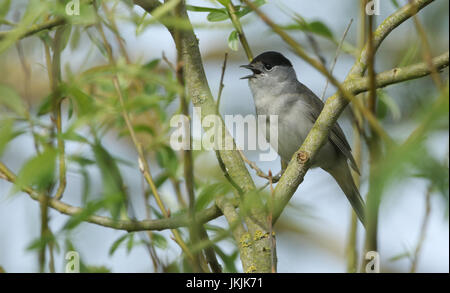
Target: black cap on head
(272, 58)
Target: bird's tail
(344, 178)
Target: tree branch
(199, 92)
(33, 29)
(127, 225)
(397, 75)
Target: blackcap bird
(276, 91)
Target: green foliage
(89, 209)
(4, 7)
(316, 27)
(11, 100)
(92, 111)
(114, 191)
(167, 159)
(84, 267)
(386, 104)
(7, 133)
(208, 193)
(233, 41)
(221, 14)
(229, 260)
(37, 171)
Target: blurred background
(313, 231)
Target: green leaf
(37, 171)
(85, 104)
(70, 110)
(400, 256)
(233, 41)
(130, 242)
(4, 7)
(246, 10)
(152, 64)
(395, 3)
(224, 2)
(65, 36)
(112, 181)
(41, 242)
(73, 136)
(94, 269)
(11, 100)
(209, 193)
(385, 103)
(319, 28)
(45, 106)
(161, 178)
(75, 40)
(82, 161)
(159, 240)
(91, 208)
(216, 16)
(167, 159)
(144, 128)
(202, 9)
(6, 133)
(315, 27)
(228, 260)
(116, 244)
(98, 43)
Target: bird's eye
(268, 67)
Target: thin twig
(338, 50)
(425, 221)
(32, 30)
(423, 231)
(127, 225)
(143, 164)
(427, 54)
(238, 26)
(56, 72)
(150, 246)
(271, 233)
(259, 172)
(171, 66)
(113, 25)
(221, 84)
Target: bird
(277, 91)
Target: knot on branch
(260, 235)
(302, 157)
(245, 240)
(395, 71)
(251, 269)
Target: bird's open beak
(252, 68)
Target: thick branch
(401, 74)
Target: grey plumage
(276, 91)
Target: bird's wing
(336, 136)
